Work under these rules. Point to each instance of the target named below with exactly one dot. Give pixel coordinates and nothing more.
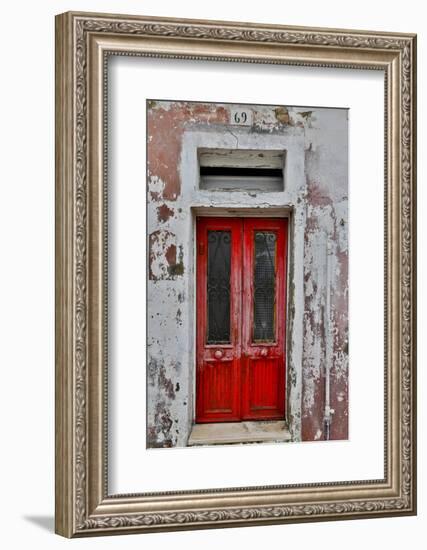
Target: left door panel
(219, 264)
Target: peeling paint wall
(326, 234)
(315, 198)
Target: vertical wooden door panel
(263, 319)
(219, 279)
(218, 387)
(241, 282)
(265, 379)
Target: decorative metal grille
(218, 287)
(264, 286)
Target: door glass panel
(264, 286)
(218, 287)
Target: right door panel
(263, 316)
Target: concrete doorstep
(222, 433)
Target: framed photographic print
(235, 276)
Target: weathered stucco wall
(326, 235)
(315, 198)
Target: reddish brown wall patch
(165, 127)
(164, 213)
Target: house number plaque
(241, 117)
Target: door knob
(218, 354)
(264, 352)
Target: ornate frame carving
(83, 41)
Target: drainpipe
(327, 417)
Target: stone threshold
(223, 433)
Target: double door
(241, 305)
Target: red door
(241, 285)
